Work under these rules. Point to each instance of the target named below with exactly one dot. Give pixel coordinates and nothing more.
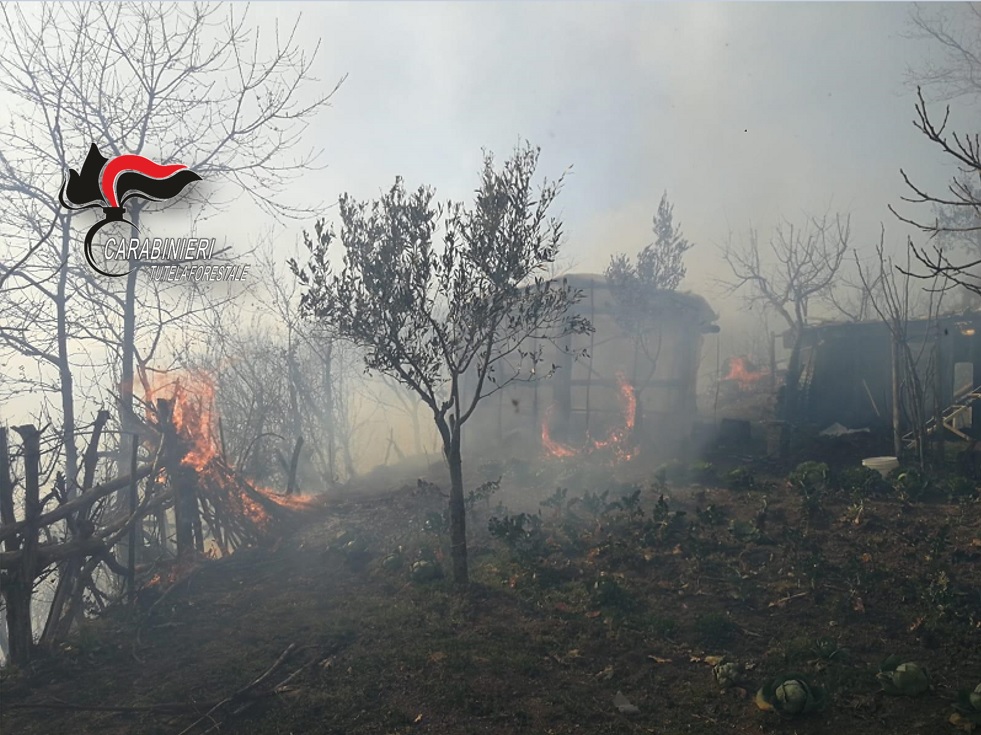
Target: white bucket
(882, 465)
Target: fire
(295, 502)
(617, 440)
(741, 373)
(232, 512)
(554, 448)
(171, 573)
(193, 397)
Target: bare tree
(191, 83)
(173, 82)
(962, 202)
(799, 268)
(888, 289)
(457, 323)
(953, 30)
(265, 408)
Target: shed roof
(694, 307)
(854, 328)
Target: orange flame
(616, 440)
(193, 397)
(554, 448)
(296, 502)
(741, 373)
(254, 512)
(222, 493)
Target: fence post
(134, 537)
(20, 584)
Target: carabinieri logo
(110, 182)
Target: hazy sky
(744, 112)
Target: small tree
(633, 285)
(660, 265)
(453, 324)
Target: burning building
(846, 374)
(617, 390)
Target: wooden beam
(63, 511)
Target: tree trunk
(331, 413)
(181, 479)
(137, 529)
(940, 431)
(897, 429)
(773, 361)
(293, 382)
(65, 371)
(788, 404)
(12, 599)
(127, 369)
(127, 377)
(294, 463)
(68, 571)
(59, 619)
(19, 585)
(458, 513)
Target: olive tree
(454, 322)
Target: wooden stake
(133, 536)
(20, 585)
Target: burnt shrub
(521, 533)
(862, 482)
(740, 479)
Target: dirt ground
(639, 591)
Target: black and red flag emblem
(110, 182)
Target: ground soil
(595, 601)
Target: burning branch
(211, 500)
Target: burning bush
(212, 501)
